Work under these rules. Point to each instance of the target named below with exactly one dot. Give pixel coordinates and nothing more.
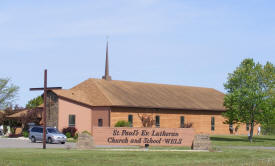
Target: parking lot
(26, 143)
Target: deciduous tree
(8, 93)
(250, 94)
(146, 120)
(34, 102)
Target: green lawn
(221, 140)
(58, 157)
(222, 156)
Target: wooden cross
(45, 88)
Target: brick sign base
(142, 136)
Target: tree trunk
(251, 132)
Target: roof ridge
(152, 83)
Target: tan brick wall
(171, 119)
(100, 113)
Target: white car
(52, 135)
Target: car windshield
(53, 131)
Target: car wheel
(50, 141)
(33, 139)
(62, 142)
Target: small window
(212, 123)
(157, 121)
(100, 122)
(71, 120)
(247, 127)
(130, 120)
(182, 122)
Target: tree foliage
(33, 103)
(31, 116)
(146, 119)
(8, 93)
(250, 94)
(13, 123)
(232, 116)
(122, 123)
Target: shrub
(68, 135)
(12, 130)
(5, 129)
(188, 125)
(76, 136)
(25, 134)
(122, 123)
(13, 135)
(71, 130)
(83, 132)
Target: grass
(59, 157)
(224, 157)
(222, 140)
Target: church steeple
(107, 76)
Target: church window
(182, 122)
(130, 120)
(212, 123)
(100, 122)
(71, 120)
(157, 121)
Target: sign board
(141, 136)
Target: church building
(104, 102)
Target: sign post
(45, 88)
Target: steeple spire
(106, 76)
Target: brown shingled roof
(98, 92)
(18, 114)
(22, 113)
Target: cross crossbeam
(48, 88)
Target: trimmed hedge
(122, 123)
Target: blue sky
(184, 42)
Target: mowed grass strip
(62, 157)
(229, 140)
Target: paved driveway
(24, 143)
